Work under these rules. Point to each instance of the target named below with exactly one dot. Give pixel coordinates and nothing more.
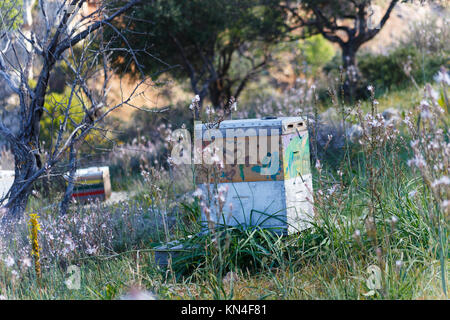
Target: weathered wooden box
(270, 183)
(6, 181)
(91, 184)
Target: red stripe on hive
(92, 193)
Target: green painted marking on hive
(296, 157)
(241, 172)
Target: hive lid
(284, 123)
(91, 171)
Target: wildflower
(407, 120)
(318, 165)
(221, 197)
(398, 265)
(412, 193)
(370, 88)
(34, 228)
(138, 294)
(332, 189)
(417, 161)
(443, 180)
(198, 192)
(70, 244)
(209, 110)
(26, 262)
(91, 250)
(393, 221)
(223, 189)
(434, 94)
(445, 204)
(9, 261)
(231, 277)
(442, 77)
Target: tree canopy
(202, 39)
(348, 23)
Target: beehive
(91, 184)
(272, 192)
(6, 181)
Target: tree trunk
(352, 74)
(24, 168)
(217, 94)
(220, 95)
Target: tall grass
(381, 229)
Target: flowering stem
(34, 228)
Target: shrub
(316, 52)
(388, 71)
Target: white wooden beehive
(280, 200)
(6, 181)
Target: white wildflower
(26, 262)
(443, 180)
(318, 165)
(442, 77)
(223, 189)
(9, 261)
(91, 250)
(412, 194)
(417, 161)
(198, 192)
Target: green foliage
(11, 14)
(232, 248)
(55, 106)
(317, 52)
(387, 71)
(198, 25)
(217, 44)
